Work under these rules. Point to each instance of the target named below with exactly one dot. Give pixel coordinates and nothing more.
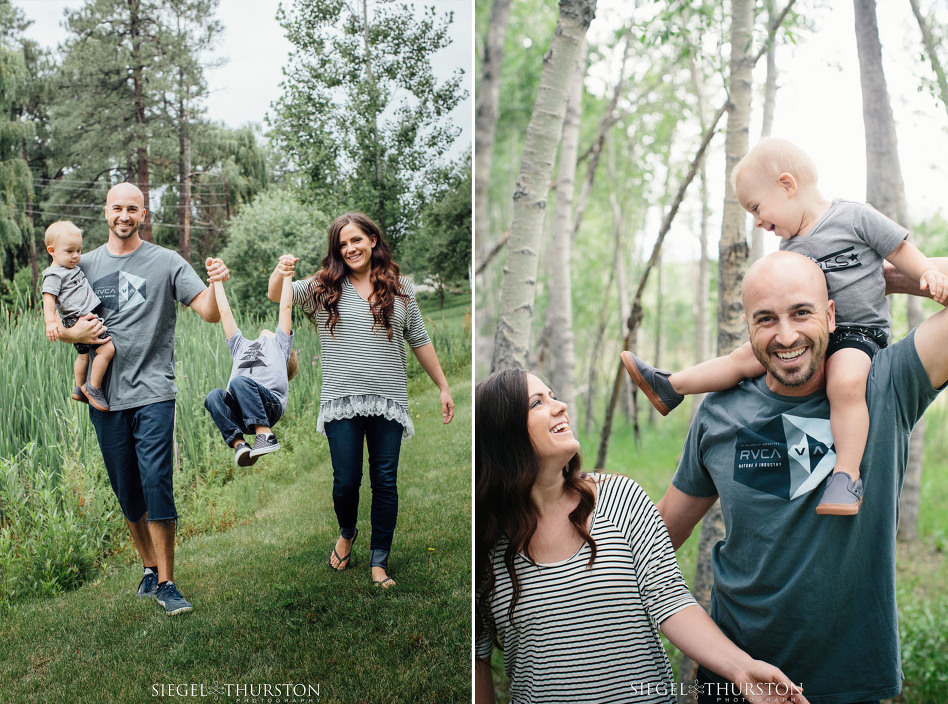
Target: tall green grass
(58, 519)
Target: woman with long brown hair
(364, 312)
(574, 571)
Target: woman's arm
(428, 359)
(483, 683)
(284, 267)
(697, 636)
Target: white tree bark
(518, 292)
(560, 314)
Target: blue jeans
(137, 446)
(383, 438)
(242, 407)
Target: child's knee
(215, 397)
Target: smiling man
(814, 595)
(139, 285)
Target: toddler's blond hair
(771, 157)
(58, 229)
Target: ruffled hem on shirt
(368, 405)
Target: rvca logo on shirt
(788, 457)
(120, 290)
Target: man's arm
(899, 282)
(931, 343)
(86, 330)
(681, 513)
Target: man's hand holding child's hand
(936, 283)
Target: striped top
(589, 635)
(364, 373)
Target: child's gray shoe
(264, 443)
(842, 496)
(77, 395)
(242, 456)
(653, 382)
(95, 396)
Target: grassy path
(268, 610)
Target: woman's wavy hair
(505, 469)
(384, 275)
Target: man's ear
(831, 315)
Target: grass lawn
(268, 609)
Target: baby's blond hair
(58, 229)
(771, 157)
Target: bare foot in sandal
(341, 554)
(381, 579)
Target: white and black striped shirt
(589, 635)
(364, 373)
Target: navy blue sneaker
(169, 597)
(653, 382)
(148, 586)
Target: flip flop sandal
(381, 583)
(343, 560)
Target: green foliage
(441, 249)
(274, 223)
(362, 115)
(923, 628)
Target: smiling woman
(573, 570)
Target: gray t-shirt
(138, 293)
(849, 243)
(263, 360)
(814, 595)
(74, 295)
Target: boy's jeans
(242, 406)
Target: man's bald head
(778, 271)
(125, 191)
(124, 211)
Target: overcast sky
(256, 50)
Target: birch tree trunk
(702, 324)
(560, 314)
(928, 41)
(732, 261)
(485, 120)
(518, 292)
(766, 127)
(885, 190)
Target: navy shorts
(869, 340)
(137, 445)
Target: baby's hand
(936, 283)
(53, 332)
(287, 264)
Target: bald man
(814, 595)
(139, 284)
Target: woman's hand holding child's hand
(287, 264)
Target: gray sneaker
(95, 396)
(169, 597)
(842, 496)
(148, 586)
(242, 456)
(77, 395)
(653, 382)
(263, 444)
